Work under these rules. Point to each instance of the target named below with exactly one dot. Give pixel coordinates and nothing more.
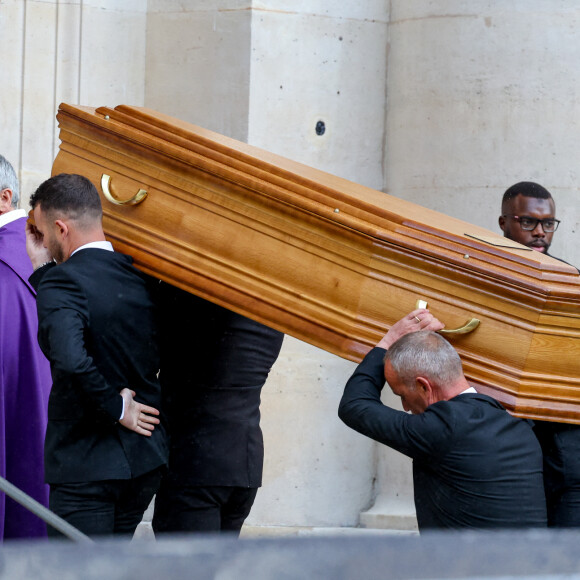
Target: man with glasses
(528, 217)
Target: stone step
(145, 532)
(302, 531)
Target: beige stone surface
(319, 67)
(198, 65)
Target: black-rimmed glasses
(529, 224)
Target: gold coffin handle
(137, 198)
(467, 327)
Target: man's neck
(455, 389)
(100, 245)
(80, 239)
(7, 217)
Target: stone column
(317, 90)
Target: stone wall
(482, 95)
(89, 52)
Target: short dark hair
(527, 189)
(70, 194)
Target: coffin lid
(352, 205)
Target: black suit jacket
(212, 380)
(97, 328)
(474, 465)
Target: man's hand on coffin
(138, 417)
(38, 254)
(420, 319)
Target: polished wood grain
(326, 260)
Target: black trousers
(186, 508)
(98, 508)
(561, 448)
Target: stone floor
(145, 532)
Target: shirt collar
(468, 390)
(11, 216)
(103, 245)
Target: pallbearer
(474, 465)
(214, 364)
(528, 216)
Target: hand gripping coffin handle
(137, 198)
(467, 327)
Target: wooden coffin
(328, 261)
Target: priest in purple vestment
(25, 380)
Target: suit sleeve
(427, 435)
(36, 277)
(63, 317)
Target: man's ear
(424, 385)
(5, 200)
(427, 390)
(62, 228)
(501, 222)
